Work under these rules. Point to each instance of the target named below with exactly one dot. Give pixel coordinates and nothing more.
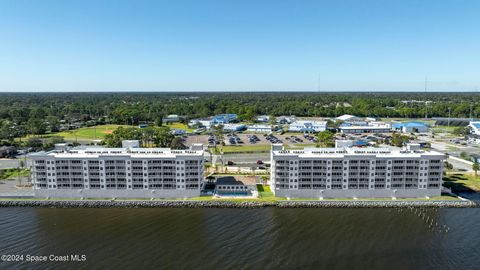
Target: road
(459, 165)
(8, 188)
(9, 163)
(241, 159)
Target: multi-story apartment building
(129, 172)
(355, 172)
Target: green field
(265, 193)
(178, 125)
(462, 182)
(88, 133)
(13, 173)
(436, 198)
(245, 148)
(97, 132)
(444, 129)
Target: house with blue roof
(410, 127)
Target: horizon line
(237, 91)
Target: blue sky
(239, 45)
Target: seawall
(233, 204)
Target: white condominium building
(355, 172)
(128, 172)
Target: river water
(267, 238)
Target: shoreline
(233, 204)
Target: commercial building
(235, 186)
(225, 118)
(127, 172)
(171, 118)
(263, 118)
(410, 127)
(285, 119)
(233, 127)
(365, 129)
(215, 120)
(307, 126)
(348, 118)
(474, 127)
(260, 128)
(355, 172)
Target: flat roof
(368, 151)
(366, 127)
(96, 152)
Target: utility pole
(471, 119)
(449, 109)
(426, 106)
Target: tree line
(40, 113)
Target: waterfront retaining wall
(233, 204)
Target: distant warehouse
(365, 129)
(128, 172)
(260, 128)
(410, 127)
(355, 172)
(308, 126)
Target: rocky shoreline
(233, 204)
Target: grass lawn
(444, 129)
(88, 133)
(264, 193)
(178, 125)
(13, 173)
(462, 182)
(82, 134)
(245, 148)
(98, 132)
(436, 198)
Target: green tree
(51, 141)
(326, 139)
(163, 137)
(35, 126)
(177, 143)
(448, 165)
(218, 131)
(272, 119)
(34, 143)
(159, 121)
(475, 167)
(465, 155)
(398, 140)
(54, 123)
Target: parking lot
(239, 139)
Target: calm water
(243, 238)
